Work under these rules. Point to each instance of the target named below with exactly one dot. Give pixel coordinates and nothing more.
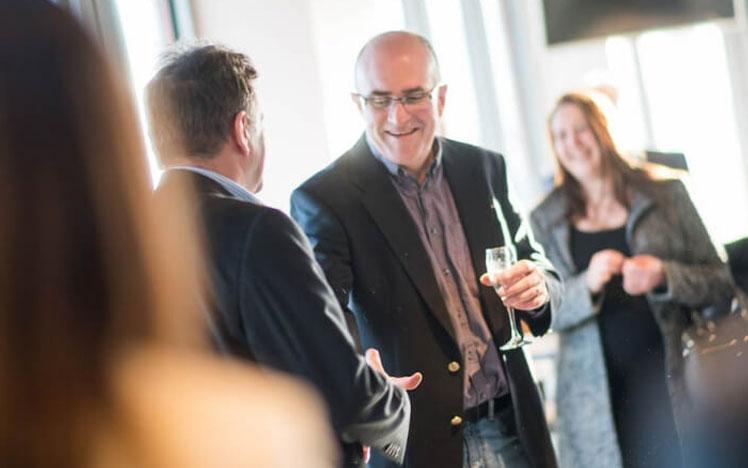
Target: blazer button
(456, 421)
(453, 367)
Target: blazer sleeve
(329, 242)
(697, 277)
(576, 305)
(294, 323)
(527, 248)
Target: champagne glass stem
(513, 322)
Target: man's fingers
(529, 299)
(410, 382)
(529, 281)
(375, 361)
(485, 279)
(537, 301)
(516, 271)
(366, 453)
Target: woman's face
(575, 144)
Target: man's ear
(357, 101)
(240, 132)
(441, 99)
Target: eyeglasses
(410, 99)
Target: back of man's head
(193, 99)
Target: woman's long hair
(621, 172)
(85, 271)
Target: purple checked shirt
(432, 207)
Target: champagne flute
(497, 260)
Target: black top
(634, 358)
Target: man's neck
(219, 165)
(421, 172)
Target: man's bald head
(399, 44)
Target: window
(147, 30)
(686, 90)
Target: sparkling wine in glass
(497, 260)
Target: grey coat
(668, 227)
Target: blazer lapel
(383, 202)
(474, 203)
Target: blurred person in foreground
(272, 303)
(635, 258)
(101, 356)
(400, 224)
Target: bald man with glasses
(400, 224)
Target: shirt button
(455, 421)
(453, 367)
(433, 231)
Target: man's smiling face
(398, 66)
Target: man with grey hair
(400, 224)
(271, 302)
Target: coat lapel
(383, 202)
(560, 230)
(640, 204)
(474, 203)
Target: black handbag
(715, 358)
(715, 354)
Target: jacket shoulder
(670, 186)
(552, 207)
(466, 150)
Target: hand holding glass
(499, 259)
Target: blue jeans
(492, 443)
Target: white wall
(279, 36)
(305, 52)
(341, 27)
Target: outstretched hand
(410, 382)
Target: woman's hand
(642, 273)
(603, 265)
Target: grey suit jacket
(667, 226)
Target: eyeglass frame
(428, 94)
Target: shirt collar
(236, 190)
(396, 170)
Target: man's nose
(397, 112)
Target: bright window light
(146, 33)
(685, 76)
(629, 128)
(448, 37)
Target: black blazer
(368, 246)
(272, 305)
